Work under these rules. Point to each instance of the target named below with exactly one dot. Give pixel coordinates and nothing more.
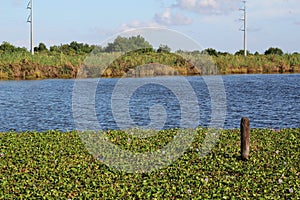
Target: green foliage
(41, 48)
(274, 51)
(231, 64)
(211, 52)
(23, 65)
(6, 47)
(56, 165)
(146, 62)
(163, 48)
(73, 48)
(123, 44)
(80, 47)
(241, 52)
(64, 61)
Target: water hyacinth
(60, 166)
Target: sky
(210, 23)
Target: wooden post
(245, 138)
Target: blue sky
(211, 23)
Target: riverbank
(49, 65)
(54, 164)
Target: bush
(274, 51)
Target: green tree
(80, 47)
(241, 52)
(55, 48)
(9, 48)
(163, 48)
(211, 52)
(41, 48)
(76, 46)
(223, 53)
(274, 51)
(123, 44)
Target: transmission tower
(244, 29)
(30, 20)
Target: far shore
(24, 66)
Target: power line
(30, 20)
(244, 29)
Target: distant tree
(256, 53)
(55, 48)
(123, 44)
(274, 51)
(87, 48)
(65, 48)
(80, 47)
(138, 42)
(241, 52)
(41, 48)
(163, 48)
(211, 52)
(223, 53)
(7, 47)
(179, 51)
(76, 46)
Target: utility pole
(30, 20)
(244, 29)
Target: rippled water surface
(270, 101)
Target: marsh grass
(23, 65)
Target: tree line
(122, 44)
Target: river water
(270, 101)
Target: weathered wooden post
(245, 138)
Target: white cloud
(208, 6)
(170, 19)
(138, 24)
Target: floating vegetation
(57, 165)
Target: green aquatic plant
(54, 165)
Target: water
(270, 101)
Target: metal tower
(30, 20)
(244, 29)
